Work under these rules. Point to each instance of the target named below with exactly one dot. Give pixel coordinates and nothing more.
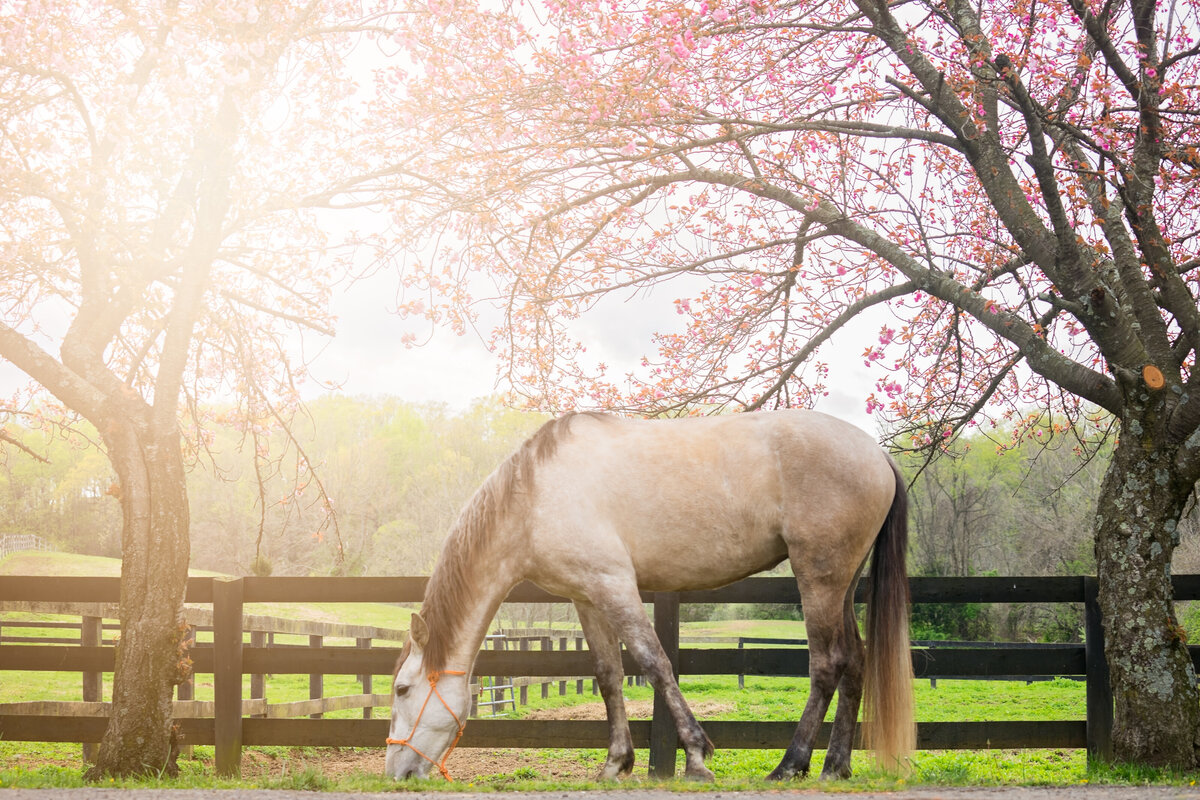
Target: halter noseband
(407, 742)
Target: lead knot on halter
(433, 690)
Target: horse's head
(428, 711)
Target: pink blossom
(870, 355)
(720, 15)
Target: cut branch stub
(1153, 377)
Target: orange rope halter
(406, 742)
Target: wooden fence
(230, 657)
(487, 692)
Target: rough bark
(1156, 704)
(151, 655)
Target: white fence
(15, 543)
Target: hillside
(380, 615)
(59, 565)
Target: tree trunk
(151, 654)
(1157, 716)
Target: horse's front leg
(622, 607)
(610, 673)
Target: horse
(597, 508)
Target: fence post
(187, 689)
(742, 664)
(547, 645)
(524, 686)
(91, 634)
(1099, 688)
(258, 682)
(368, 711)
(316, 681)
(579, 681)
(562, 685)
(663, 738)
(227, 674)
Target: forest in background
(395, 474)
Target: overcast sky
(368, 358)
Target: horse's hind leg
(850, 687)
(828, 655)
(622, 607)
(606, 654)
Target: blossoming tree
(1015, 183)
(162, 168)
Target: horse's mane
(504, 492)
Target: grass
(771, 698)
(757, 628)
(734, 770)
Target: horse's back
(701, 502)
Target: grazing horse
(596, 508)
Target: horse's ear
(419, 631)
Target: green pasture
(379, 615)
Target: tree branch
(850, 312)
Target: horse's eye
(401, 691)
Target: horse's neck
(469, 637)
(499, 570)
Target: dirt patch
(465, 764)
(469, 764)
(636, 709)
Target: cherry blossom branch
(850, 312)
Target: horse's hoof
(836, 773)
(612, 772)
(787, 770)
(701, 774)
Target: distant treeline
(395, 475)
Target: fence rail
(229, 658)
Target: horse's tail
(888, 725)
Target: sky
(367, 356)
